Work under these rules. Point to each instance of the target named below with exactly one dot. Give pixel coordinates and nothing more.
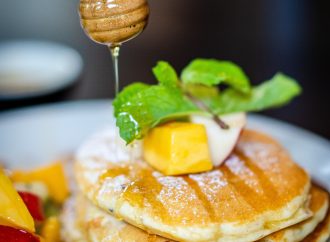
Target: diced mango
(52, 175)
(41, 239)
(13, 211)
(178, 148)
(51, 230)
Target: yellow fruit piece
(51, 230)
(41, 239)
(178, 148)
(13, 211)
(52, 176)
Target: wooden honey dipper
(113, 22)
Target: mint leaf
(276, 92)
(201, 91)
(140, 107)
(165, 74)
(210, 72)
(150, 107)
(126, 94)
(206, 94)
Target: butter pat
(178, 148)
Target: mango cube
(13, 211)
(51, 230)
(52, 176)
(178, 148)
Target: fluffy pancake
(81, 215)
(99, 225)
(322, 231)
(319, 204)
(71, 226)
(257, 191)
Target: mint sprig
(165, 74)
(140, 107)
(275, 92)
(149, 107)
(125, 96)
(210, 72)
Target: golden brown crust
(99, 225)
(258, 182)
(319, 203)
(95, 223)
(322, 231)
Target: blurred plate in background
(34, 68)
(30, 137)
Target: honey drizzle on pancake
(266, 186)
(242, 189)
(256, 153)
(145, 188)
(202, 197)
(115, 171)
(209, 193)
(144, 191)
(241, 171)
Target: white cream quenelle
(112, 22)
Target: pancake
(257, 191)
(99, 225)
(71, 229)
(319, 204)
(322, 231)
(80, 214)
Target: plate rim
(65, 84)
(314, 142)
(96, 102)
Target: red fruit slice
(9, 234)
(34, 205)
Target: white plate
(34, 68)
(33, 136)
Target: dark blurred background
(261, 36)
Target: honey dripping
(111, 23)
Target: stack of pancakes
(257, 194)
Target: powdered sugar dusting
(265, 155)
(117, 183)
(110, 147)
(175, 190)
(240, 169)
(174, 187)
(213, 181)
